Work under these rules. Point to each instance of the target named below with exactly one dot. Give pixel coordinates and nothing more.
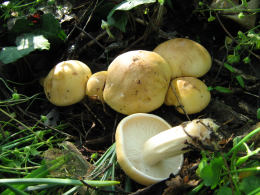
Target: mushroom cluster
(141, 81)
(138, 81)
(188, 61)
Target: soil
(91, 125)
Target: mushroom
(66, 82)
(96, 84)
(137, 81)
(189, 94)
(186, 57)
(148, 149)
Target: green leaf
(130, 4)
(210, 173)
(258, 113)
(223, 89)
(26, 43)
(233, 59)
(229, 67)
(240, 80)
(250, 184)
(119, 20)
(161, 2)
(224, 190)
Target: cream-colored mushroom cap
(137, 81)
(190, 92)
(66, 82)
(186, 57)
(131, 134)
(96, 84)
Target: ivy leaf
(26, 43)
(210, 173)
(119, 20)
(130, 4)
(224, 190)
(249, 184)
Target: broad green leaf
(29, 40)
(119, 20)
(26, 43)
(130, 4)
(210, 173)
(224, 190)
(250, 184)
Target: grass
(24, 168)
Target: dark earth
(91, 125)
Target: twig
(91, 37)
(95, 116)
(41, 123)
(179, 102)
(237, 71)
(229, 34)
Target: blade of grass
(15, 190)
(40, 172)
(33, 181)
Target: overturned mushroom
(148, 149)
(188, 94)
(137, 81)
(66, 82)
(186, 57)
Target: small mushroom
(96, 84)
(189, 94)
(66, 82)
(186, 57)
(148, 149)
(137, 81)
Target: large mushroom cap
(186, 57)
(96, 84)
(131, 134)
(190, 92)
(66, 82)
(137, 81)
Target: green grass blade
(33, 181)
(15, 190)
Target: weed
(229, 173)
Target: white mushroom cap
(96, 84)
(190, 92)
(66, 82)
(137, 81)
(131, 134)
(186, 57)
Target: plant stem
(247, 137)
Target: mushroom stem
(172, 142)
